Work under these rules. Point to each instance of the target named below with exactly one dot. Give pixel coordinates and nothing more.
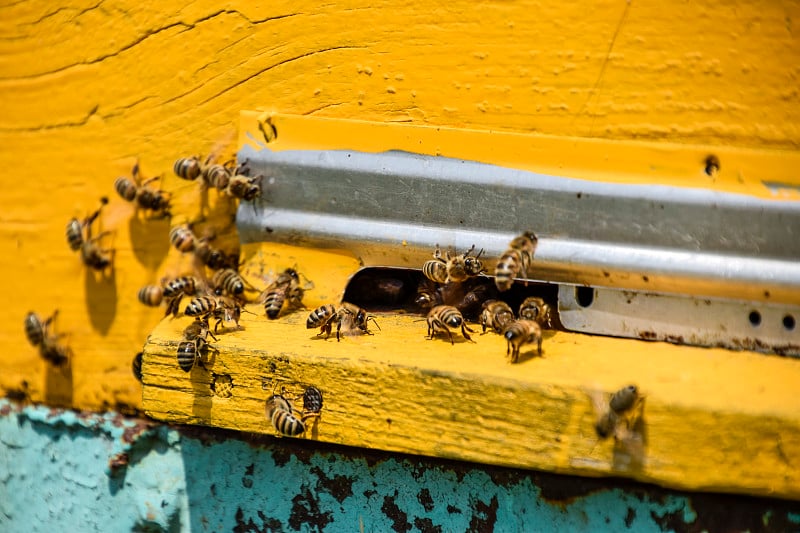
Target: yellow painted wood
(715, 419)
(763, 173)
(87, 87)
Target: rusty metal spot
(269, 524)
(425, 500)
(306, 512)
(425, 525)
(399, 518)
(338, 486)
(484, 516)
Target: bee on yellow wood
(39, 335)
(194, 344)
(181, 286)
(455, 268)
(516, 261)
(279, 412)
(349, 318)
(137, 191)
(496, 315)
(182, 238)
(619, 415)
(213, 174)
(79, 237)
(443, 318)
(213, 258)
(519, 333)
(533, 308)
(174, 290)
(188, 168)
(136, 366)
(286, 288)
(228, 281)
(218, 176)
(151, 295)
(227, 310)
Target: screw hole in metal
(755, 318)
(584, 296)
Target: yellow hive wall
(86, 88)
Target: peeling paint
(201, 479)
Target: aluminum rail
(392, 208)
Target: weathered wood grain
(714, 419)
(88, 87)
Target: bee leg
(539, 345)
(464, 330)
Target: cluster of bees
(451, 290)
(442, 273)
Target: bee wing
(599, 402)
(222, 150)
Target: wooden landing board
(715, 420)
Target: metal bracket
(391, 208)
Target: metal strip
(391, 209)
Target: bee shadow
(101, 298)
(150, 251)
(629, 453)
(532, 353)
(201, 379)
(58, 385)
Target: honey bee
(222, 308)
(279, 413)
(194, 344)
(286, 288)
(151, 295)
(348, 318)
(496, 315)
(428, 294)
(136, 190)
(515, 262)
(136, 366)
(228, 281)
(533, 308)
(184, 285)
(182, 238)
(188, 168)
(213, 258)
(452, 268)
(218, 176)
(443, 318)
(174, 290)
(201, 306)
(92, 254)
(38, 333)
(519, 333)
(242, 186)
(620, 414)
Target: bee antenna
(370, 317)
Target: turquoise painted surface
(62, 470)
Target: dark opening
(755, 318)
(788, 322)
(584, 295)
(391, 289)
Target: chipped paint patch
(202, 479)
